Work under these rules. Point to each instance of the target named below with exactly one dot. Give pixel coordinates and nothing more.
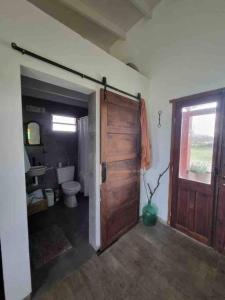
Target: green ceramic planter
(149, 215)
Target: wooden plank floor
(147, 263)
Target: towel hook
(159, 119)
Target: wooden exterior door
(120, 160)
(194, 157)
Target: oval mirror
(33, 133)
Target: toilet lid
(71, 185)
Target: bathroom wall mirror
(33, 133)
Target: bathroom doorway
(57, 150)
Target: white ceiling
(103, 22)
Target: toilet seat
(71, 186)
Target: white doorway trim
(94, 145)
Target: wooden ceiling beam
(145, 7)
(95, 17)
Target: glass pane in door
(197, 141)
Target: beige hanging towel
(146, 150)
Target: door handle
(104, 172)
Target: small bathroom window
(64, 123)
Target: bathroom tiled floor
(74, 223)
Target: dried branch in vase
(150, 191)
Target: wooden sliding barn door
(120, 160)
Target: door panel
(120, 119)
(194, 213)
(120, 158)
(122, 193)
(122, 170)
(121, 146)
(182, 207)
(195, 130)
(121, 220)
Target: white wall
(30, 28)
(182, 50)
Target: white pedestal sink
(36, 171)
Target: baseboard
(28, 297)
(163, 222)
(158, 220)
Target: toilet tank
(65, 174)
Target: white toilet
(69, 187)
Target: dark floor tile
(74, 224)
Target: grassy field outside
(201, 158)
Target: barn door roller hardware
(53, 63)
(104, 82)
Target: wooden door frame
(177, 104)
(220, 169)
